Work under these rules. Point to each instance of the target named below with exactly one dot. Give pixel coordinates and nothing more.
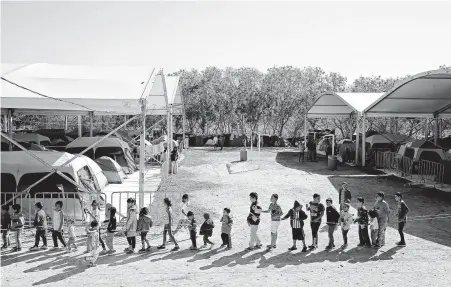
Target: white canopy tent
(47, 89)
(341, 105)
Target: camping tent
(422, 149)
(112, 147)
(112, 170)
(32, 138)
(386, 140)
(27, 145)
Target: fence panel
(404, 166)
(385, 160)
(431, 171)
(119, 200)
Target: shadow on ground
(426, 205)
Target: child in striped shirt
(297, 217)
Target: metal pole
(167, 149)
(183, 129)
(363, 140)
(436, 130)
(125, 119)
(79, 127)
(333, 145)
(305, 131)
(10, 128)
(91, 123)
(65, 123)
(357, 139)
(142, 152)
(5, 123)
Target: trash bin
(332, 162)
(243, 155)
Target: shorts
(144, 235)
(298, 233)
(274, 226)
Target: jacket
(227, 222)
(362, 216)
(17, 221)
(130, 226)
(332, 215)
(111, 228)
(344, 196)
(192, 225)
(40, 220)
(254, 211)
(207, 228)
(402, 211)
(144, 223)
(6, 221)
(346, 220)
(296, 218)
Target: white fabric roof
(422, 95)
(84, 142)
(28, 137)
(112, 90)
(174, 94)
(341, 104)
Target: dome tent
(112, 170)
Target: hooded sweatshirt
(144, 223)
(131, 224)
(40, 220)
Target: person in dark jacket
(174, 160)
(362, 220)
(40, 222)
(6, 226)
(297, 217)
(344, 195)
(192, 226)
(333, 217)
(402, 217)
(111, 229)
(206, 229)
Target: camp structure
(385, 141)
(422, 149)
(29, 146)
(20, 170)
(32, 138)
(112, 170)
(112, 147)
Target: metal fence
(385, 160)
(72, 207)
(431, 172)
(119, 201)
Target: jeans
(193, 236)
(40, 233)
(226, 239)
(345, 235)
(109, 240)
(301, 156)
(167, 230)
(315, 227)
(374, 236)
(58, 235)
(132, 241)
(5, 237)
(330, 232)
(400, 230)
(363, 235)
(206, 240)
(254, 237)
(18, 234)
(381, 233)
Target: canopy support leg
(142, 151)
(79, 127)
(436, 130)
(91, 123)
(5, 123)
(183, 129)
(168, 153)
(305, 132)
(357, 139)
(65, 123)
(363, 140)
(10, 128)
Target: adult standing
(402, 217)
(344, 194)
(383, 218)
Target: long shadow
(225, 260)
(425, 206)
(206, 255)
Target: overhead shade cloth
(104, 90)
(423, 95)
(341, 104)
(175, 97)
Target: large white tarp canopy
(426, 94)
(61, 89)
(341, 105)
(175, 97)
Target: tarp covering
(32, 138)
(111, 169)
(174, 92)
(423, 95)
(59, 89)
(387, 139)
(341, 104)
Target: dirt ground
(214, 180)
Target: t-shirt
(183, 209)
(56, 219)
(316, 211)
(252, 213)
(276, 211)
(383, 210)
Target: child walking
(333, 217)
(346, 220)
(276, 213)
(192, 226)
(144, 225)
(374, 226)
(130, 226)
(253, 220)
(362, 220)
(72, 237)
(226, 228)
(383, 218)
(402, 217)
(110, 230)
(167, 221)
(206, 229)
(95, 210)
(316, 209)
(6, 226)
(40, 222)
(183, 219)
(17, 224)
(297, 217)
(58, 221)
(93, 241)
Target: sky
(353, 38)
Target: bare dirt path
(204, 175)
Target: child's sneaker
(142, 250)
(258, 246)
(176, 248)
(250, 248)
(55, 248)
(376, 246)
(149, 248)
(193, 248)
(4, 246)
(401, 244)
(44, 247)
(223, 245)
(111, 252)
(360, 245)
(304, 249)
(161, 247)
(229, 247)
(204, 246)
(311, 247)
(344, 246)
(34, 248)
(292, 248)
(130, 251)
(329, 247)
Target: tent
(422, 149)
(379, 141)
(112, 147)
(112, 170)
(27, 145)
(32, 138)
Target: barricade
(404, 166)
(119, 201)
(385, 160)
(72, 207)
(431, 172)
